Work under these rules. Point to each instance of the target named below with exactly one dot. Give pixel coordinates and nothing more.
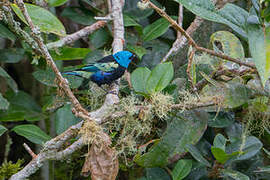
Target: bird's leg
(108, 92)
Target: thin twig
(61, 81)
(29, 150)
(77, 35)
(190, 39)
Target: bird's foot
(112, 92)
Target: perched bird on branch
(107, 69)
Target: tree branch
(77, 35)
(191, 41)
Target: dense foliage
(214, 124)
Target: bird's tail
(71, 73)
(78, 73)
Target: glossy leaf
(4, 104)
(184, 129)
(5, 33)
(32, 132)
(2, 130)
(70, 53)
(139, 78)
(42, 18)
(230, 15)
(220, 142)
(160, 77)
(258, 47)
(12, 55)
(55, 3)
(64, 118)
(234, 174)
(197, 155)
(181, 169)
(138, 50)
(11, 83)
(155, 29)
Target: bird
(106, 70)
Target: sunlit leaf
(42, 18)
(69, 53)
(56, 3)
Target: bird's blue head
(124, 58)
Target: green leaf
(236, 94)
(259, 48)
(229, 44)
(24, 100)
(46, 77)
(11, 83)
(5, 33)
(247, 148)
(184, 129)
(221, 119)
(32, 132)
(2, 130)
(220, 142)
(78, 15)
(157, 174)
(55, 3)
(42, 18)
(160, 77)
(230, 15)
(155, 29)
(197, 155)
(4, 104)
(139, 78)
(129, 21)
(99, 38)
(69, 53)
(138, 50)
(234, 174)
(12, 55)
(181, 169)
(64, 118)
(219, 154)
(93, 56)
